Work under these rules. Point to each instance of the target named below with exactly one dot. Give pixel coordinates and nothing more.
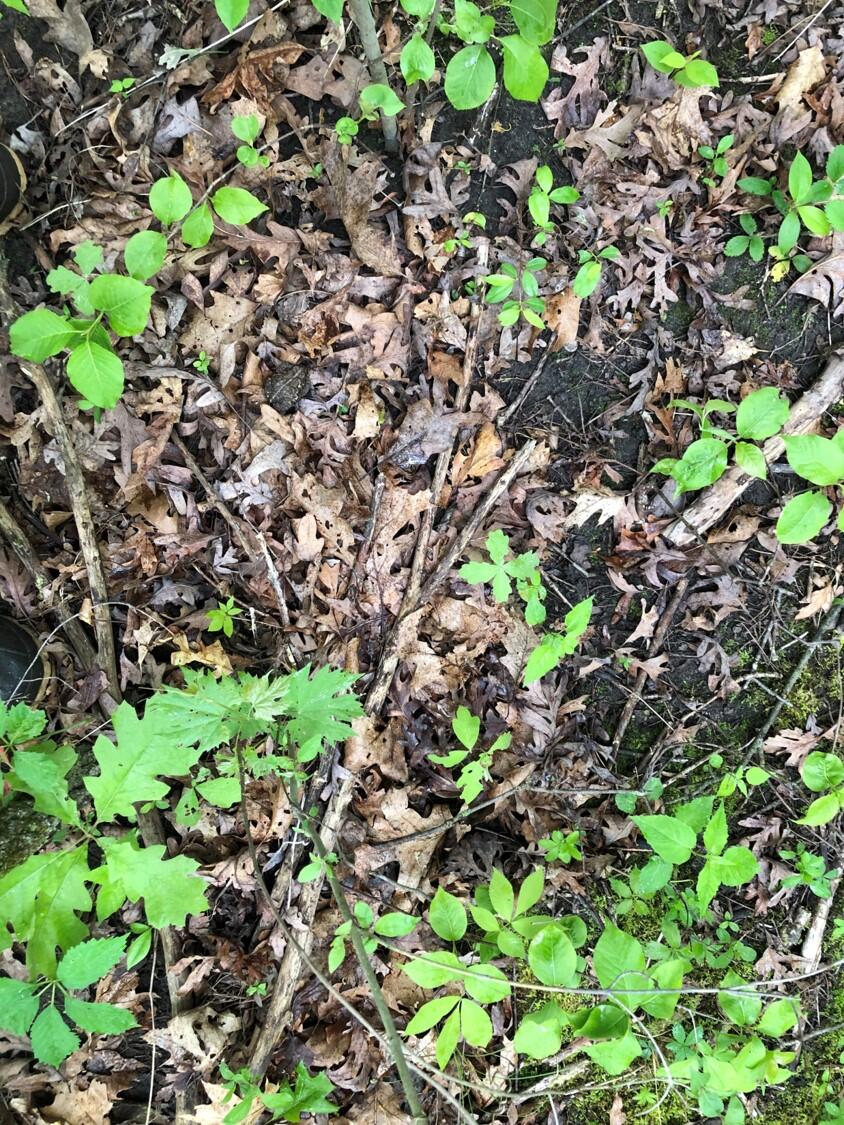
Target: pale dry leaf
(562, 315)
(75, 1106)
(600, 502)
(617, 1114)
(353, 192)
(210, 656)
(647, 623)
(818, 601)
(802, 76)
(824, 282)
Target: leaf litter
(344, 298)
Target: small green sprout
(523, 569)
(121, 85)
(717, 161)
(748, 243)
(529, 305)
(588, 277)
(686, 70)
(201, 363)
(562, 847)
(222, 618)
(246, 128)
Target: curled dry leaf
(352, 192)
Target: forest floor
(296, 386)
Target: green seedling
(528, 304)
(690, 71)
(543, 194)
(221, 619)
(588, 276)
(473, 774)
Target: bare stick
(365, 23)
(19, 543)
(714, 504)
(390, 658)
(278, 1011)
(106, 651)
(656, 644)
(531, 381)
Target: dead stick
(106, 650)
(278, 1012)
(656, 644)
(19, 543)
(714, 504)
(390, 658)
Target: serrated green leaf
(51, 1038)
(43, 775)
(18, 1005)
(89, 961)
(99, 1019)
(169, 887)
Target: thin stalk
(364, 21)
(390, 1029)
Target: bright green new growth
(529, 304)
(588, 276)
(686, 70)
(500, 574)
(246, 128)
(221, 619)
(470, 780)
(716, 159)
(374, 99)
(115, 302)
(43, 900)
(816, 205)
(542, 195)
(308, 1095)
(823, 773)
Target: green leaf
(815, 458)
(835, 163)
(703, 462)
(88, 256)
(320, 706)
(221, 792)
(395, 924)
(822, 771)
(18, 1005)
(447, 916)
(540, 1033)
(469, 77)
(666, 975)
(755, 185)
(741, 1007)
(803, 517)
(779, 1017)
(736, 246)
(525, 70)
(447, 1039)
(669, 837)
(815, 220)
(552, 956)
(236, 205)
(530, 891)
(170, 199)
(659, 50)
(308, 1096)
(89, 961)
(231, 12)
(246, 127)
(430, 1014)
(501, 894)
(97, 373)
(715, 834)
(436, 969)
(737, 866)
(417, 60)
(535, 19)
(699, 72)
(43, 775)
(331, 9)
(695, 813)
(586, 279)
(799, 177)
(99, 1019)
(52, 1040)
(789, 232)
(40, 899)
(470, 23)
(466, 727)
(821, 811)
(835, 212)
(198, 227)
(486, 983)
(761, 414)
(39, 334)
(130, 768)
(616, 956)
(616, 1055)
(376, 97)
(475, 1024)
(169, 887)
(751, 459)
(125, 301)
(144, 254)
(604, 1021)
(655, 874)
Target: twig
(277, 1012)
(829, 622)
(389, 656)
(19, 543)
(152, 1060)
(528, 385)
(655, 645)
(364, 21)
(391, 1034)
(714, 504)
(106, 651)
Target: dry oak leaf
(394, 820)
(562, 315)
(673, 130)
(80, 1107)
(70, 30)
(211, 656)
(225, 322)
(352, 193)
(369, 747)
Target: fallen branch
(712, 506)
(106, 651)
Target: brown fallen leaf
(617, 1114)
(562, 315)
(352, 192)
(74, 1106)
(824, 282)
(70, 30)
(211, 656)
(804, 73)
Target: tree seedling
(472, 776)
(588, 276)
(221, 619)
(528, 305)
(543, 194)
(716, 159)
(246, 128)
(690, 71)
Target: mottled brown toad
(286, 386)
